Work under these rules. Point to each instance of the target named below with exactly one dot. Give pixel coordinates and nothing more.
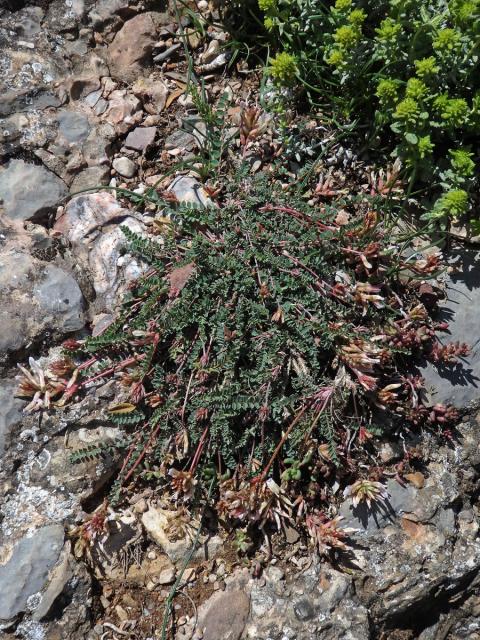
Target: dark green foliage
(91, 452)
(259, 319)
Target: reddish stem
(198, 452)
(117, 367)
(144, 452)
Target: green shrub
(405, 67)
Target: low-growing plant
(264, 334)
(404, 68)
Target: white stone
(125, 167)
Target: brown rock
(413, 529)
(122, 107)
(417, 479)
(224, 615)
(153, 94)
(132, 47)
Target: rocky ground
(94, 94)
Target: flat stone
(459, 385)
(125, 167)
(167, 576)
(26, 571)
(380, 514)
(73, 126)
(29, 191)
(225, 616)
(132, 47)
(58, 578)
(141, 138)
(90, 178)
(58, 294)
(182, 140)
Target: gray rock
(320, 603)
(26, 571)
(379, 515)
(29, 191)
(10, 409)
(106, 10)
(188, 189)
(97, 148)
(141, 138)
(92, 98)
(101, 107)
(460, 385)
(30, 25)
(197, 127)
(90, 179)
(59, 295)
(303, 609)
(58, 578)
(418, 559)
(35, 297)
(182, 140)
(125, 167)
(73, 126)
(27, 100)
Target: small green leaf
(411, 138)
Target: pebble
(167, 576)
(150, 585)
(73, 126)
(188, 575)
(125, 167)
(211, 53)
(121, 613)
(140, 138)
